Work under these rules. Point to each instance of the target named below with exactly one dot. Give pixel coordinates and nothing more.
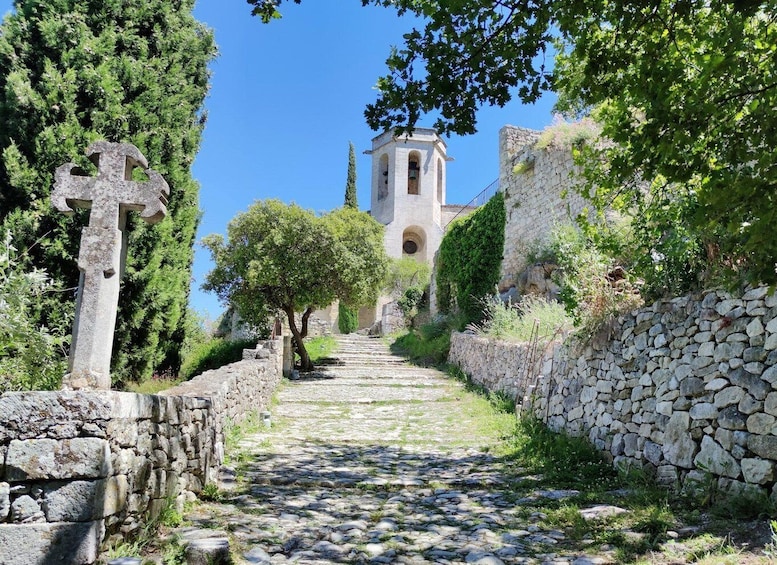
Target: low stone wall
(78, 469)
(686, 388)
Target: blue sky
(287, 97)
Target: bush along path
(373, 460)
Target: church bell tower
(408, 192)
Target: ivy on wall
(468, 264)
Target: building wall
(685, 388)
(536, 199)
(80, 468)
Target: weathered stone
(749, 405)
(109, 196)
(713, 458)
(75, 543)
(716, 384)
(652, 452)
(703, 411)
(753, 384)
(763, 445)
(754, 354)
(208, 551)
(5, 500)
(732, 419)
(77, 458)
(729, 395)
(757, 471)
(26, 509)
(692, 387)
(760, 423)
(679, 448)
(706, 349)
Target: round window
(410, 247)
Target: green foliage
(282, 257)
(563, 134)
(532, 317)
(321, 347)
(429, 345)
(469, 259)
(347, 319)
(410, 301)
(350, 182)
(564, 461)
(73, 72)
(406, 273)
(213, 354)
(32, 357)
(594, 287)
(691, 133)
(685, 91)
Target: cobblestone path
(373, 460)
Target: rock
(713, 458)
(77, 458)
(25, 510)
(258, 555)
(78, 542)
(760, 423)
(716, 384)
(728, 396)
(755, 328)
(208, 551)
(757, 471)
(692, 387)
(601, 511)
(5, 500)
(763, 445)
(731, 418)
(679, 448)
(703, 411)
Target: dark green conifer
(350, 183)
(72, 72)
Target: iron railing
(483, 197)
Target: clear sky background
(287, 97)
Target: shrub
(594, 287)
(31, 357)
(347, 319)
(533, 316)
(214, 354)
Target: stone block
(62, 414)
(749, 405)
(757, 471)
(703, 411)
(716, 384)
(728, 396)
(679, 448)
(5, 500)
(77, 458)
(760, 423)
(713, 458)
(763, 445)
(692, 387)
(75, 543)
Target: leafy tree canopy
(686, 91)
(280, 257)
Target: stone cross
(110, 195)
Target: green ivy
(470, 258)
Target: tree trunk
(305, 364)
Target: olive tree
(282, 258)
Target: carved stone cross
(110, 195)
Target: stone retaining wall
(685, 388)
(78, 469)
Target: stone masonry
(537, 198)
(685, 388)
(79, 468)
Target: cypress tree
(350, 182)
(348, 318)
(72, 72)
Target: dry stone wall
(536, 198)
(686, 388)
(80, 468)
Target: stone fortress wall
(686, 388)
(536, 197)
(78, 469)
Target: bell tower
(408, 192)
